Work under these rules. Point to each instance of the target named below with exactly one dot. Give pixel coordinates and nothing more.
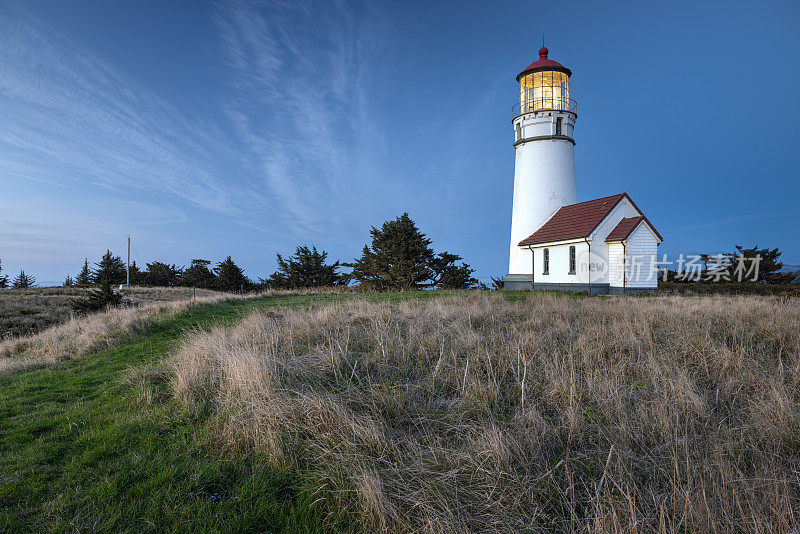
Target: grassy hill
(427, 411)
(28, 311)
(96, 444)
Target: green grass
(82, 450)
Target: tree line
(399, 257)
(21, 281)
(225, 276)
(743, 265)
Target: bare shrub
(471, 413)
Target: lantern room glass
(545, 89)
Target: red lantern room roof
(544, 63)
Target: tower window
(546, 261)
(519, 132)
(572, 259)
(559, 125)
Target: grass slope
(81, 449)
(24, 312)
(476, 414)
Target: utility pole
(128, 270)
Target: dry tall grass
(82, 335)
(24, 312)
(473, 414)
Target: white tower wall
(544, 177)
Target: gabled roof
(574, 221)
(579, 220)
(624, 228)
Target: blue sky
(243, 128)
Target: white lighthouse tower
(544, 172)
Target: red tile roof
(580, 220)
(624, 228)
(574, 221)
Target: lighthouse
(544, 171)
(601, 246)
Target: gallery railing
(544, 104)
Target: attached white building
(605, 245)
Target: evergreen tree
(230, 276)
(307, 268)
(448, 275)
(769, 265)
(705, 258)
(22, 280)
(69, 281)
(162, 274)
(668, 275)
(498, 284)
(137, 276)
(110, 268)
(3, 278)
(198, 275)
(98, 299)
(399, 258)
(84, 277)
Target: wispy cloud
(69, 118)
(300, 101)
(292, 149)
(41, 230)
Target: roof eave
(653, 228)
(632, 230)
(559, 68)
(578, 239)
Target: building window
(546, 261)
(572, 259)
(519, 132)
(559, 125)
